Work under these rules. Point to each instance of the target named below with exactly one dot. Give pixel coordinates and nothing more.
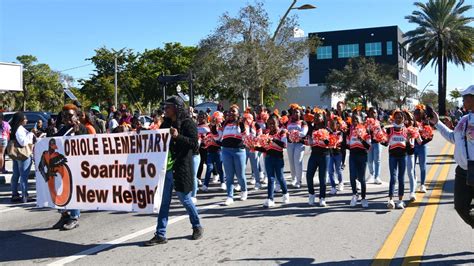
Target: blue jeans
(420, 156)
(335, 162)
(397, 167)
(254, 163)
(357, 167)
(196, 162)
(74, 214)
(295, 159)
(274, 168)
(317, 161)
(234, 164)
(374, 160)
(411, 172)
(21, 170)
(213, 158)
(184, 198)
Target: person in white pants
(297, 129)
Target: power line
(74, 68)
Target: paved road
(428, 231)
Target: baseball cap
(175, 100)
(468, 91)
(95, 108)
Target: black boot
(156, 240)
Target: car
(145, 121)
(203, 107)
(32, 117)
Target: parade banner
(120, 172)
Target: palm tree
(443, 35)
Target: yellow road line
(418, 243)
(394, 239)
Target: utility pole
(115, 83)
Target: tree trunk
(25, 96)
(445, 78)
(441, 86)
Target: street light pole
(421, 93)
(280, 24)
(115, 84)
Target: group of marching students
(228, 140)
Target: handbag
(18, 152)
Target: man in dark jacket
(71, 127)
(179, 171)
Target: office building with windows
(383, 44)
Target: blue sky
(63, 33)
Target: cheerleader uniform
(358, 164)
(233, 157)
(274, 164)
(296, 151)
(319, 159)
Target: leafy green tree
(99, 88)
(363, 79)
(240, 56)
(430, 98)
(172, 59)
(443, 35)
(401, 93)
(455, 94)
(42, 90)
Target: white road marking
(122, 239)
(9, 209)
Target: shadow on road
(19, 245)
(439, 259)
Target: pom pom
(294, 136)
(413, 132)
(380, 135)
(320, 135)
(333, 140)
(426, 132)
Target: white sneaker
(243, 195)
(298, 185)
(391, 204)
(264, 180)
(369, 179)
(322, 202)
(333, 191)
(365, 203)
(340, 187)
(204, 188)
(229, 201)
(194, 200)
(293, 183)
(257, 187)
(215, 179)
(223, 186)
(286, 198)
(311, 199)
(400, 205)
(377, 181)
(237, 188)
(423, 189)
(354, 200)
(268, 203)
(199, 182)
(357, 185)
(277, 188)
(252, 181)
(412, 197)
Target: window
(348, 50)
(324, 52)
(389, 48)
(373, 48)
